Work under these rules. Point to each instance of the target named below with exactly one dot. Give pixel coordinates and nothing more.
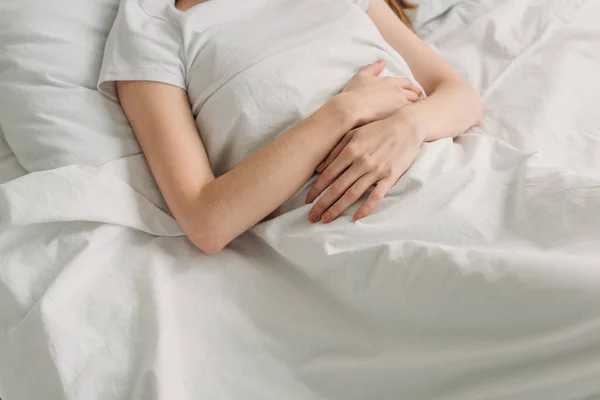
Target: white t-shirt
(252, 69)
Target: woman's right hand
(369, 97)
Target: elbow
(205, 231)
(207, 237)
(471, 99)
(208, 246)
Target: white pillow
(50, 58)
(431, 9)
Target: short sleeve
(363, 4)
(142, 46)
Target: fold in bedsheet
(481, 267)
(9, 165)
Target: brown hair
(400, 7)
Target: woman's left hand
(376, 154)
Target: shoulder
(144, 44)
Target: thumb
(373, 69)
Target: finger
(415, 90)
(381, 189)
(406, 84)
(411, 96)
(351, 196)
(335, 152)
(334, 192)
(373, 69)
(330, 174)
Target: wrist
(342, 108)
(413, 122)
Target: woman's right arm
(213, 212)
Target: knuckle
(376, 197)
(337, 188)
(354, 192)
(318, 208)
(334, 210)
(324, 180)
(386, 170)
(318, 188)
(367, 161)
(352, 150)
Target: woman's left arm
(378, 154)
(455, 105)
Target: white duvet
(479, 278)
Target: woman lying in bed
(236, 103)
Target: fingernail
(313, 217)
(382, 61)
(308, 199)
(326, 218)
(357, 217)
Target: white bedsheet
(9, 165)
(479, 278)
(538, 73)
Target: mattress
(478, 279)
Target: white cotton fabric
(479, 278)
(9, 165)
(238, 58)
(429, 10)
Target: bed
(490, 288)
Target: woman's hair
(400, 7)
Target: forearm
(451, 109)
(234, 202)
(452, 106)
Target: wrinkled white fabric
(479, 278)
(430, 10)
(536, 78)
(9, 165)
